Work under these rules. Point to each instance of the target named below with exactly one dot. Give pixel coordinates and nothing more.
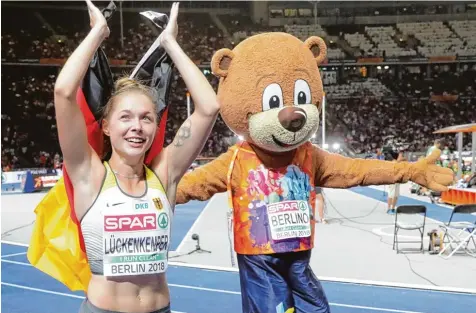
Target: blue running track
(193, 290)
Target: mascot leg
(308, 294)
(263, 284)
(285, 280)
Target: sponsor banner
(419, 59)
(444, 98)
(369, 60)
(44, 179)
(43, 182)
(406, 59)
(52, 61)
(12, 177)
(467, 58)
(29, 60)
(392, 59)
(443, 58)
(17, 182)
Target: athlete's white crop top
(127, 235)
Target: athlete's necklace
(127, 176)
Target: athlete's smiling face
(131, 124)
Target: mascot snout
(284, 129)
(292, 118)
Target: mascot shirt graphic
(274, 209)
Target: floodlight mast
(314, 11)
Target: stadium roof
(466, 128)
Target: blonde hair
(124, 85)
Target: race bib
(135, 244)
(289, 219)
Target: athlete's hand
(170, 32)
(97, 19)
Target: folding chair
(461, 228)
(418, 225)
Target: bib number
(289, 219)
(135, 244)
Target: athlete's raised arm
(193, 133)
(77, 154)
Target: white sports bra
(127, 235)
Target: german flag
(57, 245)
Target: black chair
(420, 226)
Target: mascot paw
(427, 174)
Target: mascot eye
(272, 97)
(302, 92)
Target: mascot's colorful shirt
(126, 235)
(273, 209)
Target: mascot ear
(221, 62)
(318, 48)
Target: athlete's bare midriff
(131, 293)
(141, 294)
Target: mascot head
(271, 90)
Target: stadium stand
(366, 101)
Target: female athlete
(124, 207)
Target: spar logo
(303, 205)
(163, 220)
(130, 222)
(286, 206)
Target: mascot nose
(292, 118)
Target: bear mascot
(270, 92)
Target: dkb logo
(142, 206)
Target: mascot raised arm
(271, 92)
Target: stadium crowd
(407, 101)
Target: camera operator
(394, 190)
(436, 145)
(392, 153)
